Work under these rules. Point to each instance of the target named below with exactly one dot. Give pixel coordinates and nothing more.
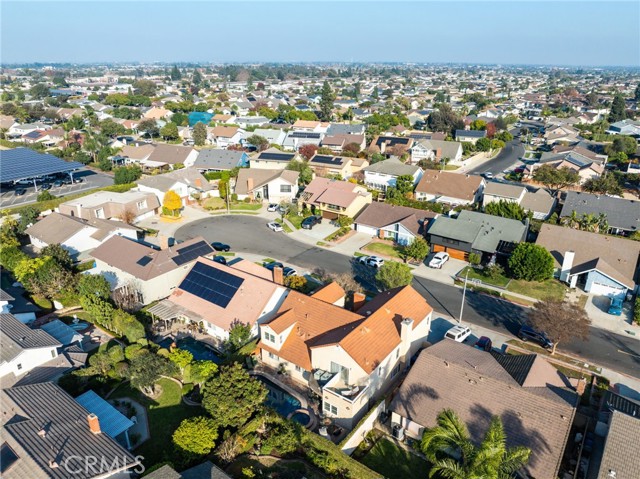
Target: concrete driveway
(597, 307)
(319, 232)
(444, 274)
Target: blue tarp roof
(112, 422)
(23, 163)
(199, 117)
(63, 333)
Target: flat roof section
(24, 163)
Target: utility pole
(464, 293)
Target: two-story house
(384, 174)
(109, 205)
(348, 358)
(436, 150)
(334, 198)
(449, 188)
(342, 166)
(188, 183)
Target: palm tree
(454, 456)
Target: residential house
(310, 126)
(110, 205)
(157, 113)
(217, 296)
(348, 358)
(219, 118)
(220, 160)
(383, 174)
(77, 235)
(586, 167)
(274, 186)
(449, 188)
(622, 215)
(225, 136)
(534, 401)
(251, 121)
(297, 138)
(272, 159)
(357, 129)
(334, 198)
(540, 203)
(400, 224)
(391, 145)
(436, 150)
(24, 349)
(49, 435)
(137, 153)
(598, 264)
(336, 143)
(273, 136)
(170, 155)
(473, 232)
(561, 133)
(47, 137)
(625, 127)
(188, 183)
(342, 166)
(471, 136)
(148, 273)
(495, 191)
(620, 458)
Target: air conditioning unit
(398, 432)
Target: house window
(395, 370)
(99, 213)
(380, 371)
(397, 353)
(53, 353)
(142, 205)
(273, 356)
(329, 408)
(280, 338)
(285, 188)
(298, 368)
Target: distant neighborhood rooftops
(392, 167)
(621, 214)
(218, 159)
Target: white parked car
(272, 207)
(458, 333)
(275, 226)
(373, 261)
(438, 260)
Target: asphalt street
(250, 234)
(505, 160)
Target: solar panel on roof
(327, 160)
(24, 163)
(211, 284)
(276, 156)
(145, 260)
(304, 134)
(192, 252)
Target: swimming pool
(200, 351)
(279, 399)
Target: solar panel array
(327, 160)
(192, 252)
(304, 134)
(24, 163)
(276, 156)
(211, 284)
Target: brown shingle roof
(453, 185)
(621, 449)
(224, 131)
(451, 375)
(170, 154)
(334, 192)
(379, 215)
(614, 256)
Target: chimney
(358, 301)
(198, 182)
(438, 153)
(94, 423)
(383, 147)
(249, 185)
(164, 241)
(278, 277)
(567, 264)
(406, 326)
(53, 464)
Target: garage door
(606, 290)
(329, 215)
(454, 253)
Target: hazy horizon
(518, 33)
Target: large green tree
(302, 167)
(169, 131)
(233, 396)
(145, 370)
(199, 134)
(454, 455)
(556, 178)
(175, 73)
(506, 209)
(607, 184)
(417, 250)
(618, 109)
(531, 262)
(393, 274)
(196, 436)
(326, 102)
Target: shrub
(474, 258)
(636, 311)
(531, 262)
(45, 196)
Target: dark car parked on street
(220, 246)
(527, 333)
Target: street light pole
(464, 293)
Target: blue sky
(515, 32)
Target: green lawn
(245, 206)
(550, 289)
(165, 414)
(394, 462)
(220, 204)
(42, 302)
(500, 281)
(214, 204)
(295, 220)
(387, 249)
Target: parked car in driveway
(310, 221)
(438, 260)
(527, 333)
(220, 246)
(615, 306)
(273, 226)
(458, 333)
(488, 175)
(272, 207)
(289, 271)
(220, 259)
(372, 261)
